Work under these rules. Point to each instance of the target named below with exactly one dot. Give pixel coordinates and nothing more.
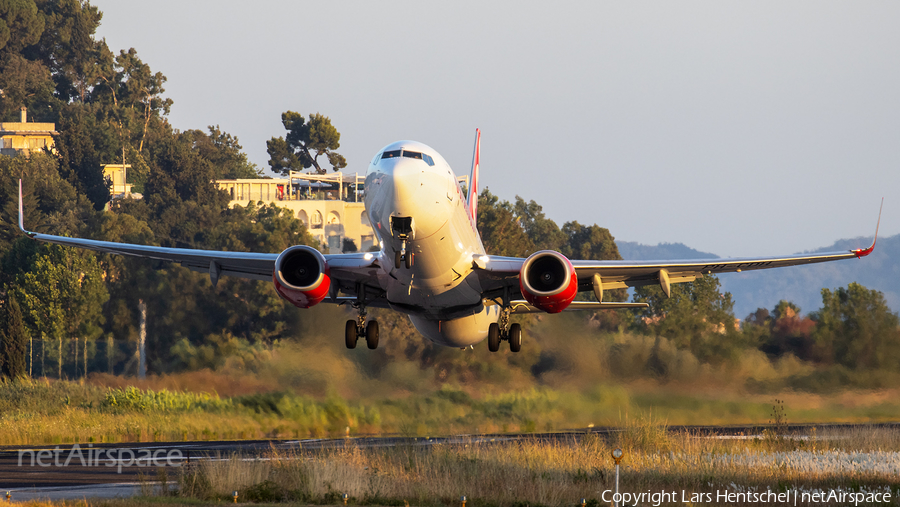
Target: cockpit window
(408, 154)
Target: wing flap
(575, 306)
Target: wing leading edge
(254, 266)
(501, 273)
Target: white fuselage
(441, 299)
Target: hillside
(630, 250)
(802, 284)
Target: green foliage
(82, 145)
(134, 399)
(222, 150)
(63, 295)
(110, 107)
(696, 317)
(14, 341)
(305, 142)
(855, 328)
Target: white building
(331, 206)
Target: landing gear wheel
(397, 259)
(409, 260)
(494, 337)
(515, 337)
(372, 334)
(351, 334)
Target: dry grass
(541, 473)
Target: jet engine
(548, 281)
(302, 276)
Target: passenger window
(390, 154)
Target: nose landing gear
(402, 228)
(403, 257)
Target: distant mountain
(631, 251)
(801, 285)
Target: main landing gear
(359, 328)
(504, 331)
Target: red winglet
(860, 253)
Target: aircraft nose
(407, 183)
(418, 191)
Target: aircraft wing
(499, 275)
(622, 274)
(347, 268)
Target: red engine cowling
(302, 276)
(548, 281)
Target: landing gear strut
(504, 331)
(403, 257)
(402, 228)
(359, 328)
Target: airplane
(432, 264)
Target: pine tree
(14, 349)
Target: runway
(109, 470)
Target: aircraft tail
(472, 199)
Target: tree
(21, 24)
(306, 141)
(855, 328)
(63, 295)
(543, 232)
(787, 332)
(23, 81)
(697, 316)
(67, 47)
(82, 145)
(14, 352)
(501, 230)
(594, 243)
(224, 153)
(589, 242)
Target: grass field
(53, 412)
(665, 468)
(863, 461)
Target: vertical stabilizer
(472, 200)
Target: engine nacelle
(302, 276)
(548, 281)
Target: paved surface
(75, 492)
(110, 470)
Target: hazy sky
(755, 128)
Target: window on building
(316, 220)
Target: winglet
(21, 213)
(860, 253)
(472, 199)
